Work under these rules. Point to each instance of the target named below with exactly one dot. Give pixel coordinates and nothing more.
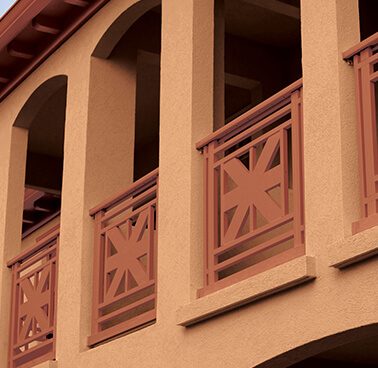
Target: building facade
(189, 183)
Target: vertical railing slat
(296, 114)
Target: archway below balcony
(43, 116)
(354, 348)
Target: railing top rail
(114, 200)
(368, 42)
(29, 252)
(251, 114)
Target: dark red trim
(369, 42)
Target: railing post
(97, 287)
(297, 164)
(211, 215)
(12, 316)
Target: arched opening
(368, 18)
(257, 53)
(258, 124)
(43, 115)
(125, 87)
(362, 353)
(123, 153)
(355, 348)
(144, 39)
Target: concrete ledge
(279, 278)
(354, 249)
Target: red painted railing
(365, 61)
(124, 272)
(253, 191)
(33, 313)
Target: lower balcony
(33, 302)
(124, 271)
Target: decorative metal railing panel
(33, 313)
(253, 191)
(124, 286)
(365, 61)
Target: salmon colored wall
(98, 162)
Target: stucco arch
(37, 99)
(319, 346)
(120, 26)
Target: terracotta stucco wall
(98, 163)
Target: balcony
(254, 191)
(33, 301)
(364, 57)
(124, 271)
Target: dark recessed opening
(261, 46)
(368, 17)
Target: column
(98, 163)
(186, 111)
(13, 143)
(329, 27)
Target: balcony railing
(33, 316)
(365, 60)
(124, 272)
(254, 191)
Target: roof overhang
(32, 30)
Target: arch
(120, 26)
(321, 345)
(125, 90)
(43, 118)
(37, 99)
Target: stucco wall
(98, 163)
